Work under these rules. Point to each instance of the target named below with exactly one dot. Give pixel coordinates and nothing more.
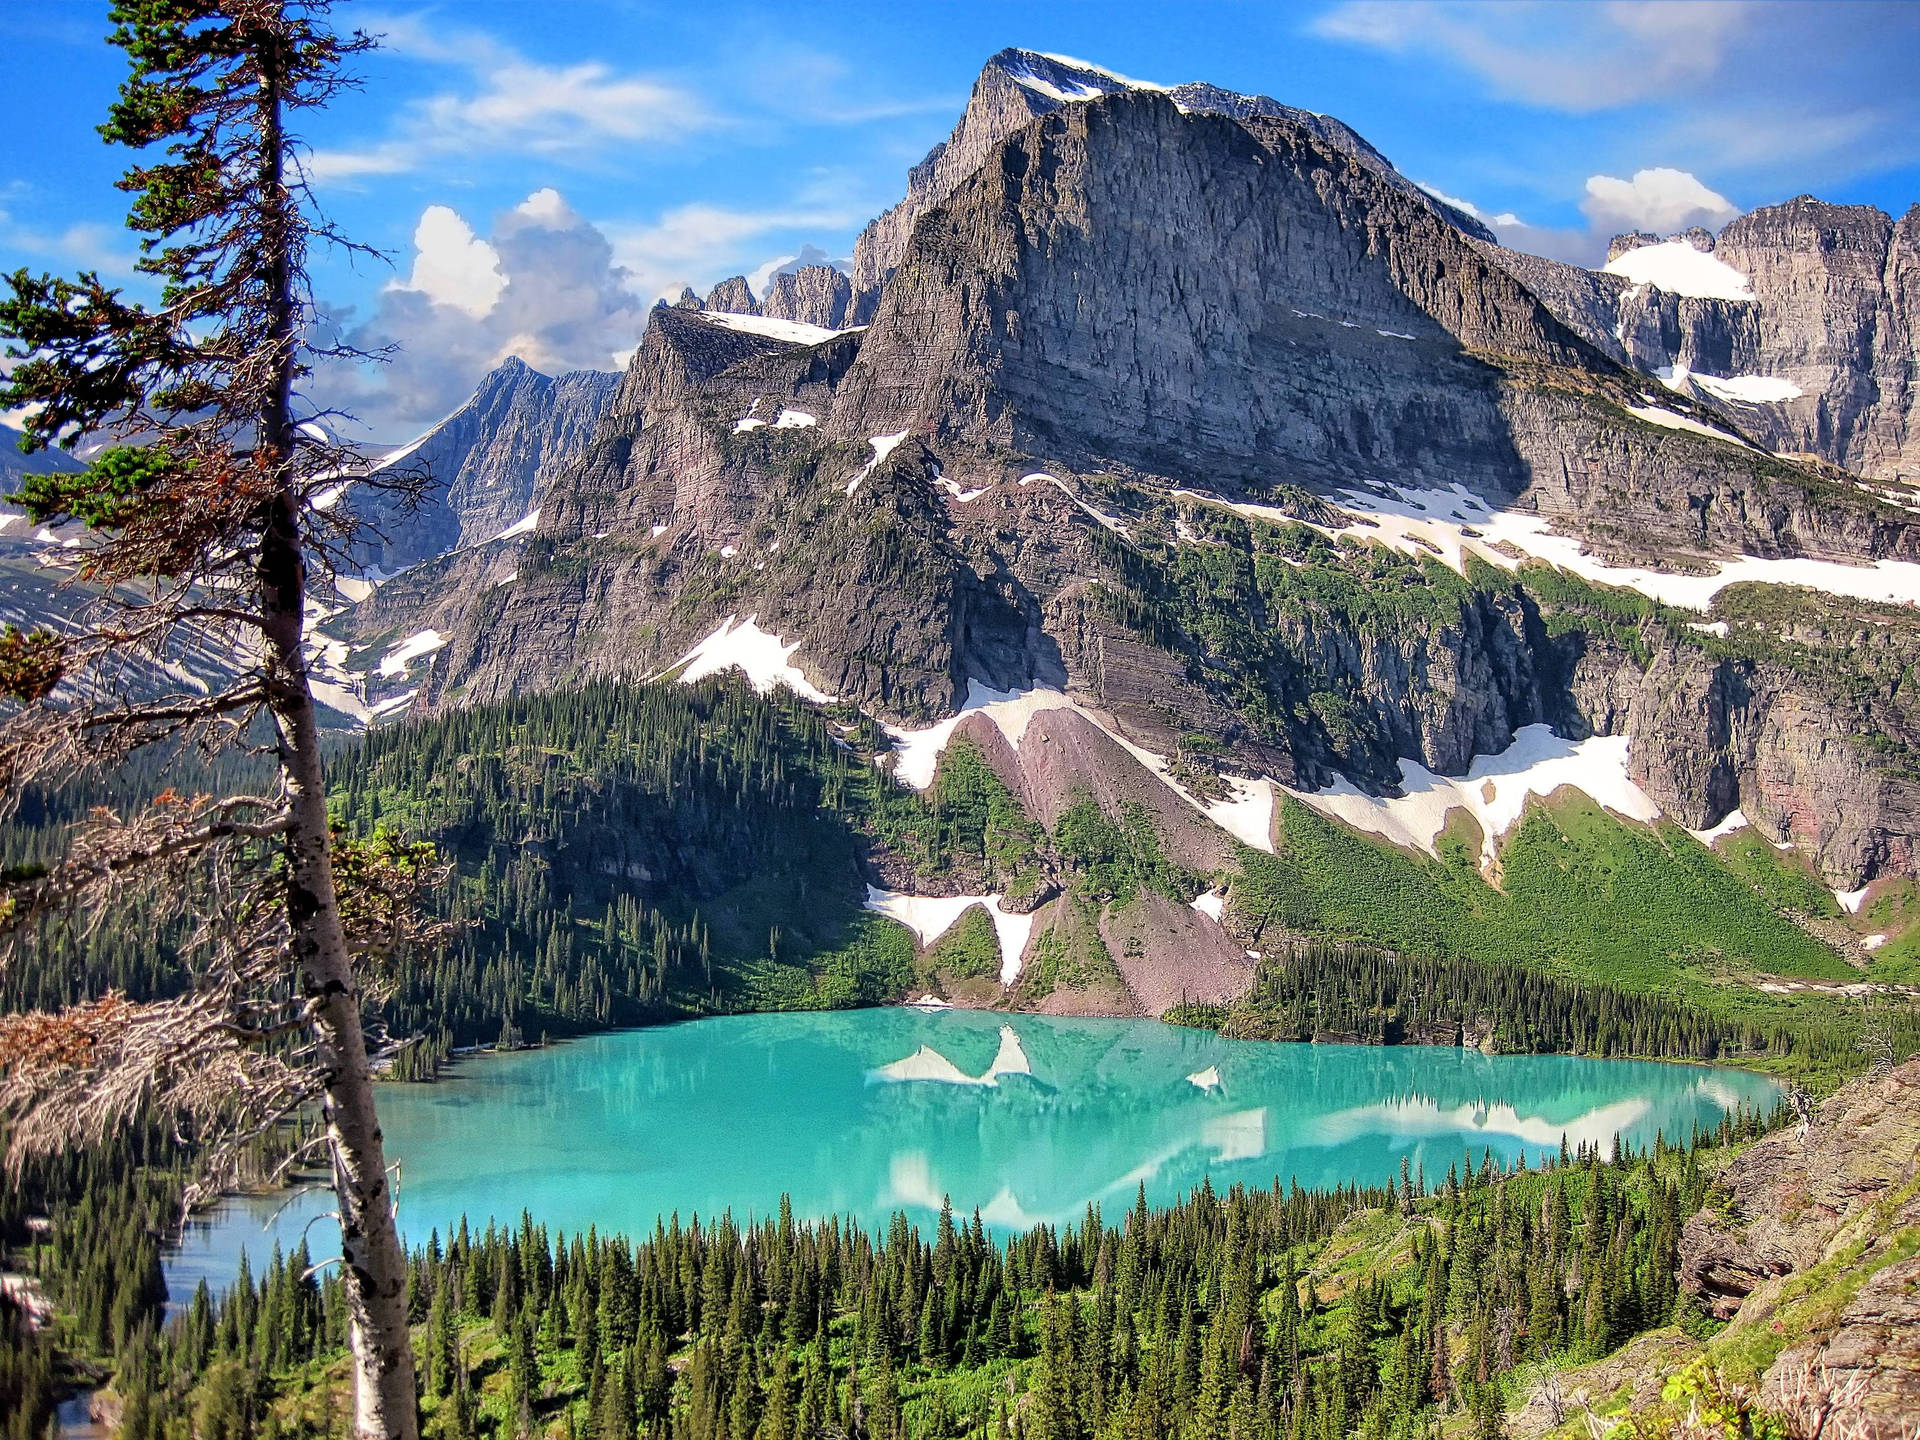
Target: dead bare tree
(200, 520)
(1878, 1023)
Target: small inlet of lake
(1026, 1118)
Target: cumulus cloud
(1505, 218)
(503, 103)
(543, 285)
(1660, 199)
(82, 245)
(761, 276)
(1768, 91)
(452, 265)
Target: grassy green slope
(1583, 895)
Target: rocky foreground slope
(1809, 1249)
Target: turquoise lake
(1030, 1119)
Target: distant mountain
(483, 465)
(1798, 322)
(16, 463)
(816, 295)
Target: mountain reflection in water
(1027, 1118)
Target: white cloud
(1660, 199)
(1505, 219)
(701, 244)
(761, 276)
(547, 207)
(453, 266)
(1563, 57)
(79, 246)
(544, 285)
(509, 104)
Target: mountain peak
(1017, 86)
(509, 371)
(1061, 78)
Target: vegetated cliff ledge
(1809, 1249)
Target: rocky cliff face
(1810, 1237)
(816, 295)
(483, 465)
(1018, 86)
(1830, 323)
(1131, 316)
(1837, 311)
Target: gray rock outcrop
(1834, 314)
(483, 465)
(732, 297)
(1016, 87)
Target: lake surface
(1030, 1119)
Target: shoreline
(473, 1052)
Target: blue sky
(539, 172)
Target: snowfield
(401, 657)
(1247, 815)
(1679, 269)
(522, 526)
(883, 446)
(1747, 389)
(917, 752)
(1433, 523)
(1736, 820)
(931, 916)
(1494, 790)
(792, 331)
(1673, 420)
(765, 659)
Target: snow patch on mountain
(1674, 420)
(1735, 820)
(1247, 813)
(1679, 269)
(764, 658)
(931, 916)
(883, 446)
(916, 753)
(1750, 389)
(1434, 523)
(795, 332)
(1494, 791)
(523, 526)
(401, 657)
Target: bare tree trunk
(373, 1264)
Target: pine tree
(200, 527)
